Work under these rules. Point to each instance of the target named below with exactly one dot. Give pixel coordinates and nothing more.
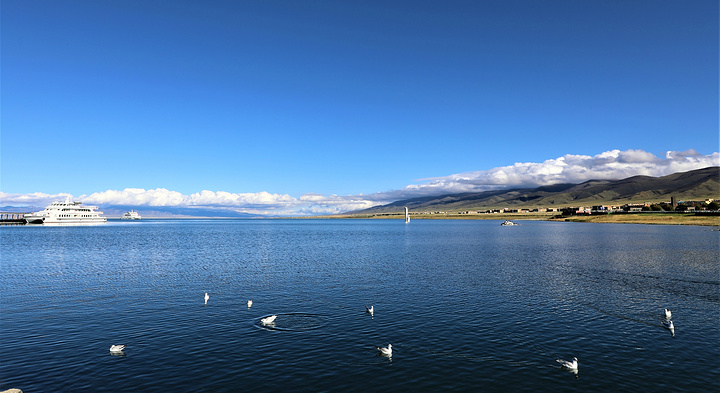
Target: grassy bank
(643, 218)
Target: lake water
(469, 306)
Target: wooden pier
(12, 218)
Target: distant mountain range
(694, 185)
(174, 212)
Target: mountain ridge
(699, 184)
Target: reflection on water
(467, 306)
(293, 322)
(67, 224)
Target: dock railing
(12, 217)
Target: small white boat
(207, 297)
(508, 223)
(370, 310)
(668, 314)
(131, 215)
(117, 348)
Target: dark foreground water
(467, 305)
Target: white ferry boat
(67, 212)
(131, 215)
(508, 223)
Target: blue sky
(304, 107)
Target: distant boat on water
(67, 212)
(508, 223)
(407, 215)
(131, 215)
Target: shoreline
(617, 218)
(622, 218)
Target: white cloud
(614, 164)
(137, 197)
(35, 199)
(222, 198)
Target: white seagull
(206, 297)
(370, 309)
(117, 348)
(668, 314)
(569, 365)
(268, 320)
(249, 303)
(669, 326)
(386, 351)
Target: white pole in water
(407, 215)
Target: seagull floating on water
(386, 351)
(268, 320)
(117, 348)
(206, 297)
(668, 314)
(669, 326)
(370, 309)
(249, 303)
(569, 365)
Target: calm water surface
(467, 305)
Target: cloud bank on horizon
(614, 164)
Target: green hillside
(694, 185)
